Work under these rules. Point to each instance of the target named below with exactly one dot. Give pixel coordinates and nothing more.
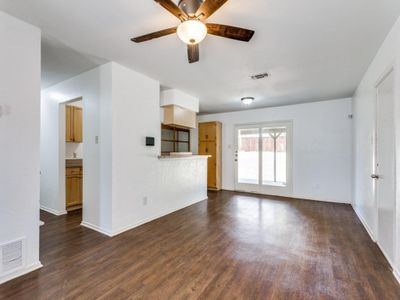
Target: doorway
(72, 137)
(384, 166)
(263, 158)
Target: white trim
(21, 272)
(123, 229)
(360, 217)
(129, 227)
(284, 191)
(396, 275)
(386, 256)
(291, 197)
(96, 228)
(53, 211)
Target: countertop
(172, 157)
(73, 162)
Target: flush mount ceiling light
(247, 100)
(192, 32)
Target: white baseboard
(364, 223)
(129, 227)
(53, 211)
(291, 196)
(21, 272)
(396, 275)
(96, 228)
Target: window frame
(175, 141)
(260, 188)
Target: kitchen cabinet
(73, 188)
(73, 124)
(210, 143)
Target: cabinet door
(73, 187)
(77, 124)
(211, 131)
(209, 148)
(203, 132)
(69, 132)
(212, 164)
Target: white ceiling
(314, 49)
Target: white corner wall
(143, 186)
(19, 138)
(322, 146)
(125, 183)
(95, 89)
(364, 126)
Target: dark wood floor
(233, 246)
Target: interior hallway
(231, 246)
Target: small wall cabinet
(210, 143)
(73, 188)
(73, 124)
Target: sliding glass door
(263, 158)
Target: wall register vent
(11, 255)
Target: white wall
(167, 185)
(122, 107)
(19, 137)
(322, 146)
(364, 127)
(95, 89)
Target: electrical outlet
(145, 201)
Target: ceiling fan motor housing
(190, 7)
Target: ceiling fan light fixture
(192, 32)
(247, 100)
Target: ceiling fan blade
(230, 32)
(209, 7)
(173, 9)
(193, 53)
(154, 35)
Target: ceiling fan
(192, 30)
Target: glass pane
(183, 147)
(248, 156)
(274, 155)
(167, 146)
(183, 136)
(267, 157)
(281, 158)
(167, 134)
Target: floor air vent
(12, 257)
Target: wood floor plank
(233, 246)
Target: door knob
(374, 176)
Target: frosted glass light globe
(192, 32)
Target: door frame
(286, 191)
(391, 69)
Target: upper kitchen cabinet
(73, 124)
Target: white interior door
(385, 166)
(263, 158)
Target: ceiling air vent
(260, 76)
(11, 256)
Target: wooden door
(69, 132)
(77, 125)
